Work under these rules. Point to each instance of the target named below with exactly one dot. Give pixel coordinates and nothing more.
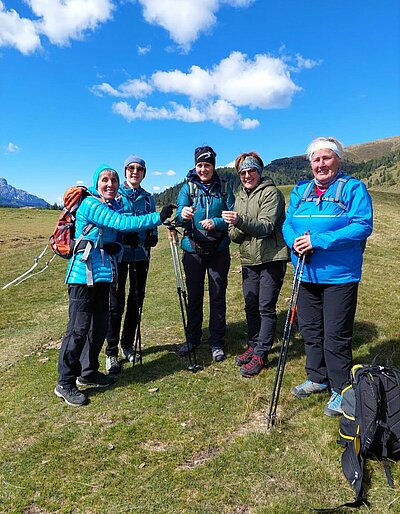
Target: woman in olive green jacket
(256, 225)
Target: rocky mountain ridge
(13, 197)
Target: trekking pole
(280, 367)
(139, 303)
(182, 294)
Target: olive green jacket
(259, 229)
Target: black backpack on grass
(370, 424)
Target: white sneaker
(112, 364)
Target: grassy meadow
(164, 440)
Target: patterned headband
(250, 162)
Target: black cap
(204, 154)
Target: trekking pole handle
(172, 235)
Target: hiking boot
(128, 353)
(308, 387)
(252, 368)
(334, 405)
(112, 364)
(184, 349)
(96, 380)
(218, 354)
(245, 357)
(71, 395)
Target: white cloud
(169, 173)
(143, 50)
(186, 19)
(135, 88)
(62, 20)
(80, 182)
(216, 94)
(12, 148)
(229, 165)
(156, 188)
(58, 20)
(17, 32)
(249, 123)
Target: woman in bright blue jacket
(91, 270)
(134, 263)
(205, 249)
(329, 220)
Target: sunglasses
(135, 168)
(250, 171)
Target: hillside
(373, 149)
(377, 163)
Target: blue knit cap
(136, 160)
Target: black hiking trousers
(86, 332)
(261, 286)
(325, 314)
(137, 272)
(216, 266)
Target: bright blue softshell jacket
(337, 235)
(136, 202)
(107, 223)
(209, 205)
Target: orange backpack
(62, 240)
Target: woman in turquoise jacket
(134, 263)
(91, 270)
(205, 249)
(329, 219)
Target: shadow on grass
(162, 360)
(385, 353)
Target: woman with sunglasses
(256, 225)
(134, 264)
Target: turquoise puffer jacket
(338, 230)
(136, 202)
(209, 204)
(101, 264)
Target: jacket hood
(96, 176)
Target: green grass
(164, 440)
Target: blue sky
(84, 82)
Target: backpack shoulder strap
(193, 191)
(305, 197)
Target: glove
(150, 240)
(166, 211)
(131, 239)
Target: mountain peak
(13, 197)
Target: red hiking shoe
(253, 368)
(245, 357)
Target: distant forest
(291, 170)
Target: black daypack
(370, 424)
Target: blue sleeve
(288, 232)
(101, 215)
(153, 209)
(360, 216)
